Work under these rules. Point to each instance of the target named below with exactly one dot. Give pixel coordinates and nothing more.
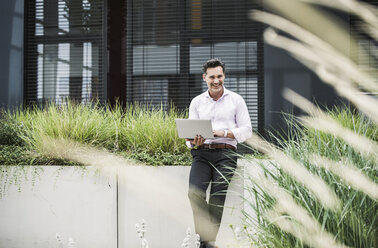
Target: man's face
(214, 78)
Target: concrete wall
(67, 201)
(159, 196)
(11, 52)
(92, 208)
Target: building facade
(148, 51)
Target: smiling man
(215, 160)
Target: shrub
(138, 131)
(10, 133)
(18, 155)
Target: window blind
(169, 40)
(64, 55)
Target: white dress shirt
(229, 112)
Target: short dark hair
(212, 63)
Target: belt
(216, 146)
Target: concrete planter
(101, 210)
(64, 200)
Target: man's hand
(218, 133)
(197, 141)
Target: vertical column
(30, 52)
(260, 82)
(116, 88)
(76, 27)
(178, 92)
(129, 49)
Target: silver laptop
(188, 129)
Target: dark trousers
(215, 166)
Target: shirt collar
(225, 92)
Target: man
(215, 160)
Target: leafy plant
(10, 133)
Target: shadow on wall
(282, 71)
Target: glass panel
(57, 71)
(63, 17)
(39, 17)
(247, 88)
(156, 60)
(155, 22)
(198, 56)
(69, 61)
(63, 74)
(50, 63)
(154, 91)
(87, 73)
(238, 56)
(40, 72)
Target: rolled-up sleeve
(243, 122)
(188, 144)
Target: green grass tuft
(137, 131)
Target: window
(165, 43)
(64, 50)
(169, 40)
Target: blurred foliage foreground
(292, 206)
(319, 188)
